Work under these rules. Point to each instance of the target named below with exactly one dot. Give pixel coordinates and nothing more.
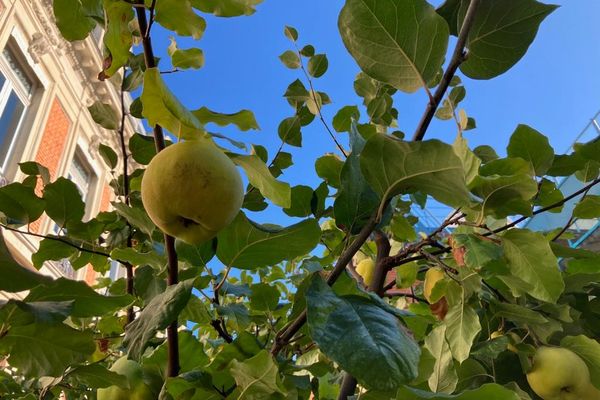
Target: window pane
(2, 80)
(18, 70)
(10, 119)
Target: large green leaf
(179, 16)
(530, 259)
(501, 34)
(589, 350)
(588, 208)
(258, 378)
(227, 8)
(355, 201)
(157, 315)
(51, 250)
(260, 177)
(393, 167)
(43, 349)
(401, 43)
(161, 107)
(15, 277)
(104, 115)
(462, 326)
(72, 19)
(444, 378)
(137, 258)
(532, 146)
(136, 217)
(86, 301)
(478, 250)
(63, 201)
(489, 391)
(117, 36)
(243, 119)
(504, 195)
(20, 204)
(97, 376)
(247, 245)
(361, 336)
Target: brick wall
(52, 145)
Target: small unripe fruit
(366, 269)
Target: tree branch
(288, 331)
(121, 131)
(159, 141)
(458, 57)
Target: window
(17, 87)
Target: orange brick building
(46, 85)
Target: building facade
(581, 233)
(46, 85)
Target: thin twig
(57, 239)
(314, 96)
(458, 57)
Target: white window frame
(14, 84)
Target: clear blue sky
(555, 88)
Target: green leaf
(50, 249)
(342, 121)
(191, 353)
(20, 204)
(329, 168)
(196, 255)
(257, 378)
(136, 217)
(142, 148)
(290, 59)
(431, 167)
(291, 33)
(157, 315)
(486, 153)
(478, 251)
(588, 208)
(444, 378)
(184, 59)
(518, 314)
(243, 119)
(501, 34)
(178, 16)
(530, 258)
(260, 177)
(104, 115)
(18, 313)
(86, 301)
(289, 131)
(462, 327)
(16, 278)
(589, 350)
(532, 146)
(361, 336)
(72, 19)
(117, 36)
(33, 168)
(97, 376)
(42, 349)
(317, 65)
(488, 391)
(63, 202)
(227, 8)
(469, 159)
(161, 107)
(237, 314)
(504, 195)
(402, 43)
(247, 245)
(108, 155)
(263, 297)
(302, 197)
(137, 258)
